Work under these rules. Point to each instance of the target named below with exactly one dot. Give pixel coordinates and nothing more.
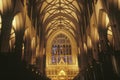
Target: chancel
(59, 40)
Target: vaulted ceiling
(60, 15)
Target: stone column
(5, 32)
(18, 43)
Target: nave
(60, 39)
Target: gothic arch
(72, 41)
(105, 27)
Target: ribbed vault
(60, 17)
(60, 14)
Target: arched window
(61, 50)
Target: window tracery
(61, 50)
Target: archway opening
(61, 54)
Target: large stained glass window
(61, 50)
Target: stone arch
(61, 14)
(18, 24)
(12, 40)
(105, 29)
(18, 21)
(72, 41)
(102, 30)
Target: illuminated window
(61, 50)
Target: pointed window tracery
(61, 50)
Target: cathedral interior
(59, 39)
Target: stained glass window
(61, 50)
